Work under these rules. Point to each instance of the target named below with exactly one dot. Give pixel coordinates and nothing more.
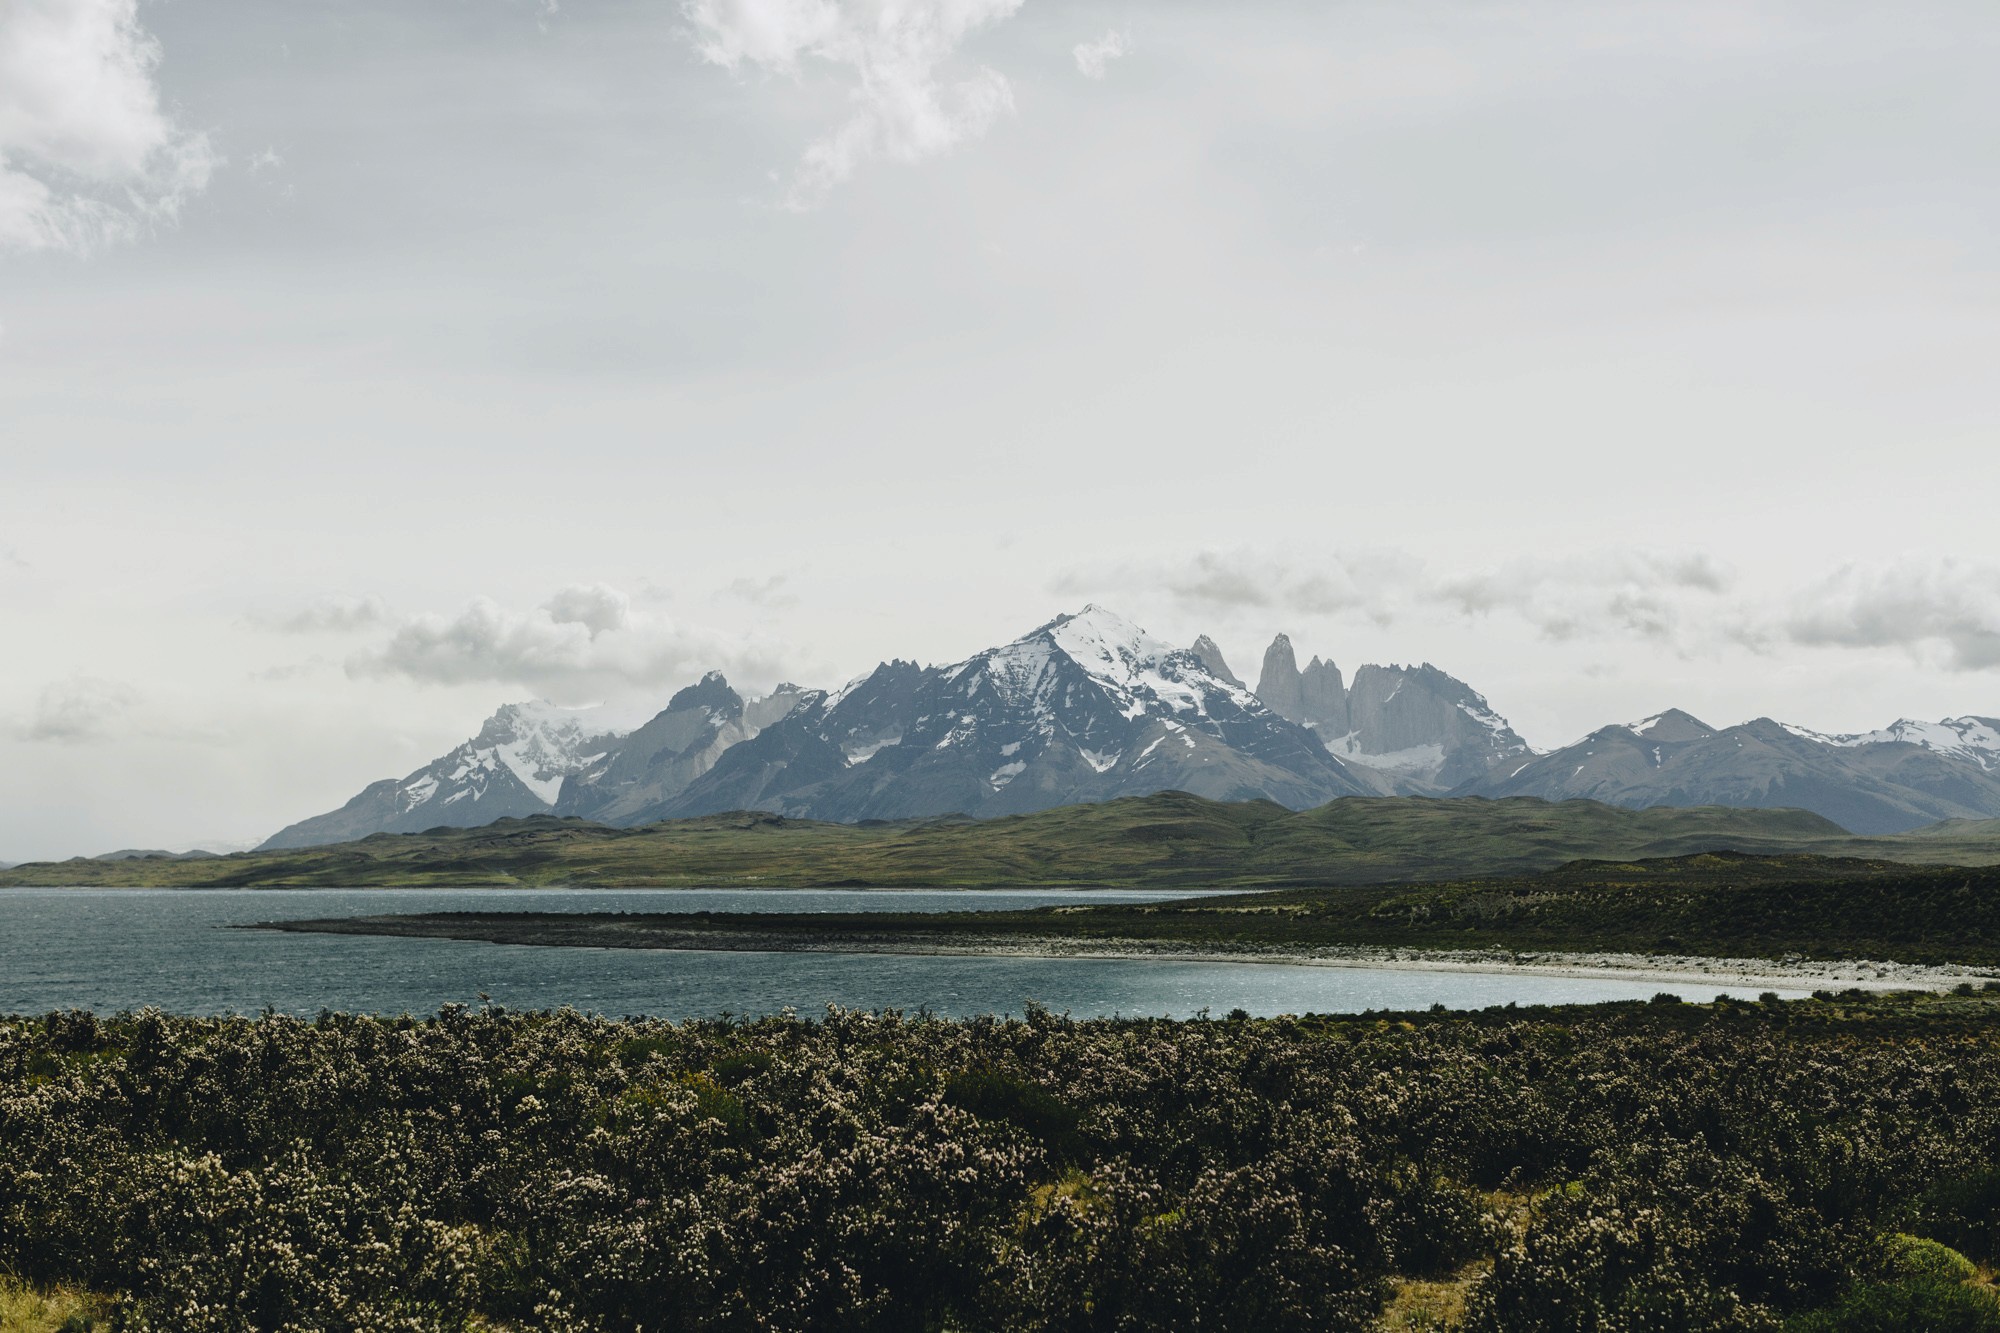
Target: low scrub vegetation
(1710, 904)
(1824, 1165)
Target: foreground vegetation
(1161, 841)
(1829, 1165)
(1726, 905)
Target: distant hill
(1168, 839)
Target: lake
(113, 949)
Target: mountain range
(1906, 775)
(1090, 707)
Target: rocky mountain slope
(659, 760)
(516, 766)
(1902, 777)
(536, 758)
(1085, 708)
(1411, 730)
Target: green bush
(1913, 1257)
(993, 1094)
(1911, 1306)
(1964, 1212)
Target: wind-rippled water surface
(116, 949)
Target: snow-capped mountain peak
(545, 743)
(538, 742)
(1134, 667)
(525, 760)
(1972, 738)
(1086, 707)
(1671, 726)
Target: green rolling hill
(1168, 840)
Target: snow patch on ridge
(1103, 762)
(1006, 773)
(861, 754)
(1422, 762)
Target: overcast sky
(366, 365)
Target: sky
(364, 366)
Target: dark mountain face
(537, 759)
(660, 759)
(1885, 782)
(1085, 708)
(1408, 729)
(516, 766)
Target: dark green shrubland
(1829, 1165)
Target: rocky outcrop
(1413, 729)
(1211, 657)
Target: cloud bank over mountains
(1950, 608)
(585, 644)
(1939, 609)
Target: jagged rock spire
(1211, 657)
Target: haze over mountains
(1089, 707)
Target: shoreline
(1751, 974)
(1766, 974)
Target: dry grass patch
(25, 1309)
(1434, 1305)
(1431, 1305)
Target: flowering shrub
(1639, 1167)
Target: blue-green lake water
(119, 949)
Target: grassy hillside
(1163, 841)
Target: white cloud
(907, 106)
(88, 157)
(584, 644)
(598, 607)
(331, 615)
(79, 709)
(1620, 594)
(1943, 612)
(1943, 607)
(1224, 582)
(1092, 58)
(1623, 594)
(766, 592)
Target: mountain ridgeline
(1090, 707)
